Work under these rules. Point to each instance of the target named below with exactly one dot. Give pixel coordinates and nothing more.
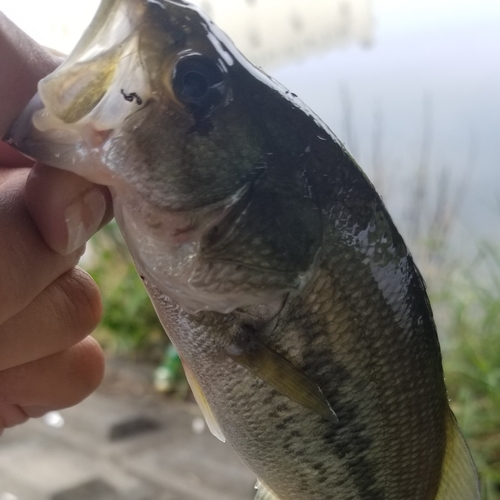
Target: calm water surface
(434, 66)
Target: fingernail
(83, 218)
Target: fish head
(155, 103)
(148, 79)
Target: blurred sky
(444, 53)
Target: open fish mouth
(82, 103)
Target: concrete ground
(123, 443)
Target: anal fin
(198, 394)
(459, 479)
(264, 493)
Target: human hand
(48, 307)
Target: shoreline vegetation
(464, 291)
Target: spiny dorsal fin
(251, 353)
(264, 493)
(198, 394)
(459, 479)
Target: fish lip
(31, 142)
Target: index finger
(27, 264)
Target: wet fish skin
(261, 242)
(375, 357)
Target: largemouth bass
(297, 310)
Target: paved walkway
(123, 443)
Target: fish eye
(198, 82)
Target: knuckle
(14, 275)
(80, 301)
(27, 265)
(87, 369)
(12, 415)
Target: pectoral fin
(264, 493)
(279, 373)
(459, 480)
(210, 419)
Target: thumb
(23, 64)
(11, 158)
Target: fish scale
(346, 441)
(299, 315)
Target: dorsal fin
(459, 479)
(264, 493)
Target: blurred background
(413, 90)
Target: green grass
(469, 302)
(129, 326)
